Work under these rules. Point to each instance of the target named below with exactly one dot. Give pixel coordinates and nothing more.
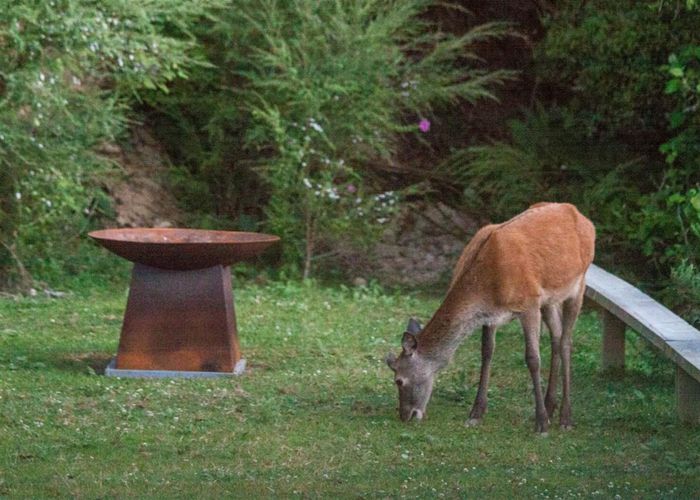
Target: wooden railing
(621, 305)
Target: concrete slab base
(112, 371)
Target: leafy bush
(668, 226)
(612, 61)
(68, 70)
(548, 160)
(604, 55)
(683, 291)
(307, 96)
(617, 107)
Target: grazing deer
(531, 267)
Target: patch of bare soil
(419, 248)
(140, 195)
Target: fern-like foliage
(308, 94)
(549, 160)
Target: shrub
(546, 159)
(308, 95)
(68, 71)
(683, 291)
(668, 225)
(618, 106)
(604, 55)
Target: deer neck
(448, 327)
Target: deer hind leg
(531, 326)
(570, 310)
(552, 318)
(488, 343)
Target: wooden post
(613, 352)
(687, 397)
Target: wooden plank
(663, 328)
(686, 354)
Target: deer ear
(409, 343)
(391, 360)
(413, 327)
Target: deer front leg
(488, 342)
(531, 326)
(552, 318)
(570, 311)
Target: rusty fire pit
(179, 317)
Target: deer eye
(399, 382)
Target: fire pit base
(179, 321)
(112, 371)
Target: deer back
(513, 265)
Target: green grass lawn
(315, 413)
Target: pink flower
(351, 188)
(424, 125)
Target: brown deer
(531, 267)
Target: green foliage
(548, 160)
(683, 150)
(683, 291)
(615, 100)
(310, 95)
(604, 56)
(68, 70)
(668, 225)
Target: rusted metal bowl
(182, 249)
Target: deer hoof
(472, 422)
(566, 427)
(541, 427)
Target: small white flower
(315, 126)
(18, 195)
(307, 183)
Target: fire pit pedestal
(180, 318)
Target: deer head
(413, 375)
